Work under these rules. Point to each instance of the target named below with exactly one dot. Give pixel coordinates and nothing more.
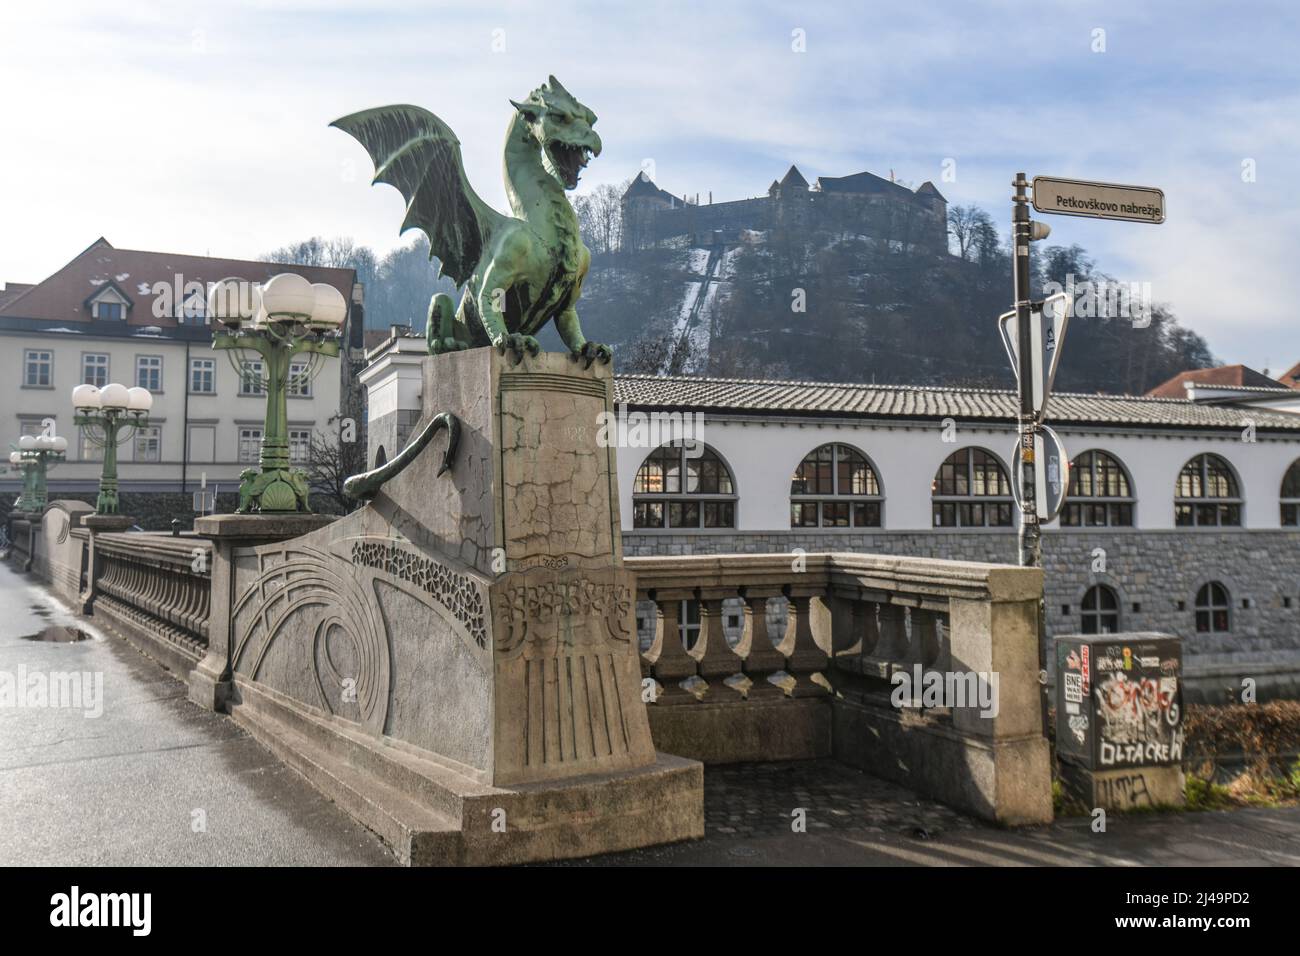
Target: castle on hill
(862, 204)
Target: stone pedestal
(466, 638)
(97, 522)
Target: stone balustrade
(781, 656)
(858, 630)
(158, 588)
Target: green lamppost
(110, 417)
(33, 457)
(266, 328)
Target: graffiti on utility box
(1119, 701)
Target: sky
(203, 128)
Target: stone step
(369, 783)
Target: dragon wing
(419, 154)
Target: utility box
(1119, 719)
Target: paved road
(126, 787)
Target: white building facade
(138, 318)
(1183, 515)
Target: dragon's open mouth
(568, 161)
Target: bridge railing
(158, 584)
(864, 637)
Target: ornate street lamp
(33, 456)
(110, 417)
(288, 316)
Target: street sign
(1075, 197)
(1051, 473)
(1047, 324)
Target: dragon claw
(519, 345)
(593, 352)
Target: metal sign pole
(1029, 539)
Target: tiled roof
(824, 399)
(61, 298)
(1231, 376)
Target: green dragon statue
(519, 272)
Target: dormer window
(193, 309)
(109, 303)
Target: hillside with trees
(815, 300)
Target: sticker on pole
(1051, 474)
(1076, 197)
(1047, 325)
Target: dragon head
(562, 128)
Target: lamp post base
(274, 490)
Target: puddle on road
(58, 635)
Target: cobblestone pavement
(854, 819)
(747, 800)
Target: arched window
(971, 490)
(835, 487)
(1291, 495)
(683, 485)
(1100, 494)
(1207, 494)
(1213, 609)
(1100, 611)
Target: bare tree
(652, 355)
(600, 217)
(331, 462)
(965, 223)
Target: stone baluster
(670, 664)
(715, 659)
(804, 656)
(857, 633)
(891, 645)
(761, 658)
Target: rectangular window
(148, 372)
(38, 368)
(250, 445)
(299, 445)
(683, 514)
(299, 385)
(94, 369)
(803, 514)
(112, 311)
(148, 444)
(250, 381)
(203, 376)
(648, 514)
(719, 514)
(835, 514)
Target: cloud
(204, 129)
